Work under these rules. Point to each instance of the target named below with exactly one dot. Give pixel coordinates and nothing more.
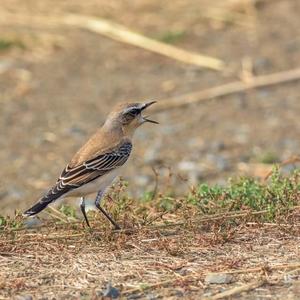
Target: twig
(274, 224)
(156, 183)
(59, 213)
(56, 217)
(116, 32)
(258, 269)
(237, 290)
(226, 16)
(289, 161)
(228, 89)
(159, 216)
(158, 284)
(215, 218)
(123, 34)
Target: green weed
(12, 223)
(268, 158)
(273, 200)
(171, 37)
(6, 44)
(68, 210)
(277, 196)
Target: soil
(167, 263)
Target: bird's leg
(97, 203)
(82, 207)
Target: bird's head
(130, 116)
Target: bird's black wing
(95, 167)
(74, 177)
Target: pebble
(187, 166)
(218, 278)
(241, 138)
(296, 288)
(151, 153)
(262, 62)
(217, 146)
(293, 46)
(290, 144)
(179, 294)
(142, 180)
(192, 169)
(23, 297)
(75, 131)
(288, 169)
(220, 162)
(151, 296)
(15, 193)
(110, 292)
(288, 278)
(5, 65)
(32, 223)
(242, 131)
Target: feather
(74, 177)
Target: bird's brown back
(101, 142)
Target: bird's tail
(49, 197)
(37, 207)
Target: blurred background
(59, 80)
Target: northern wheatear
(97, 163)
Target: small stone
(142, 180)
(151, 154)
(192, 169)
(151, 297)
(296, 288)
(290, 144)
(288, 169)
(288, 278)
(50, 137)
(218, 278)
(187, 166)
(5, 65)
(220, 162)
(179, 294)
(23, 297)
(133, 296)
(168, 85)
(75, 131)
(217, 146)
(32, 223)
(15, 193)
(110, 292)
(262, 62)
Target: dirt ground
(58, 83)
(151, 263)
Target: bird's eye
(130, 114)
(134, 111)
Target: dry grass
(69, 261)
(161, 252)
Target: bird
(98, 162)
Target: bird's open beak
(145, 105)
(145, 119)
